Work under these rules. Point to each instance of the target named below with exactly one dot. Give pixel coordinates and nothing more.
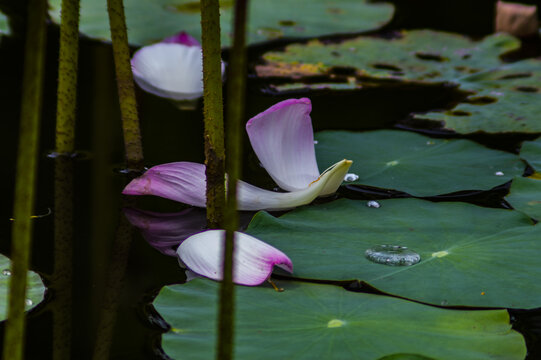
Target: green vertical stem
(213, 112)
(126, 89)
(134, 159)
(63, 185)
(236, 88)
(25, 176)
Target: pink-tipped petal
(179, 181)
(165, 231)
(182, 38)
(169, 70)
(283, 140)
(253, 259)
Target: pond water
(169, 134)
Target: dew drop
(6, 272)
(430, 142)
(373, 204)
(351, 177)
(499, 173)
(394, 255)
(334, 323)
(28, 302)
(315, 142)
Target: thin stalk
(134, 159)
(63, 191)
(236, 88)
(213, 112)
(25, 176)
(126, 89)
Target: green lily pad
(531, 152)
(149, 21)
(505, 99)
(34, 287)
(420, 55)
(309, 321)
(416, 164)
(469, 255)
(525, 196)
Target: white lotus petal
(170, 70)
(253, 259)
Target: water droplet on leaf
(28, 302)
(394, 255)
(6, 272)
(351, 177)
(499, 173)
(315, 142)
(335, 323)
(373, 204)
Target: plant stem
(63, 192)
(25, 176)
(126, 90)
(213, 112)
(236, 88)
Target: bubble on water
(373, 204)
(394, 255)
(499, 173)
(6, 272)
(351, 177)
(28, 302)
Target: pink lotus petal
(179, 181)
(165, 231)
(169, 70)
(182, 38)
(253, 260)
(283, 140)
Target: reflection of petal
(253, 260)
(185, 182)
(283, 140)
(165, 231)
(182, 38)
(169, 70)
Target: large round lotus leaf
(525, 196)
(34, 287)
(505, 99)
(416, 164)
(309, 321)
(149, 21)
(531, 152)
(420, 55)
(470, 255)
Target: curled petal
(283, 140)
(165, 231)
(182, 38)
(184, 182)
(169, 70)
(254, 260)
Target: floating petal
(186, 182)
(283, 140)
(254, 260)
(169, 70)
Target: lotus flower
(171, 69)
(282, 138)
